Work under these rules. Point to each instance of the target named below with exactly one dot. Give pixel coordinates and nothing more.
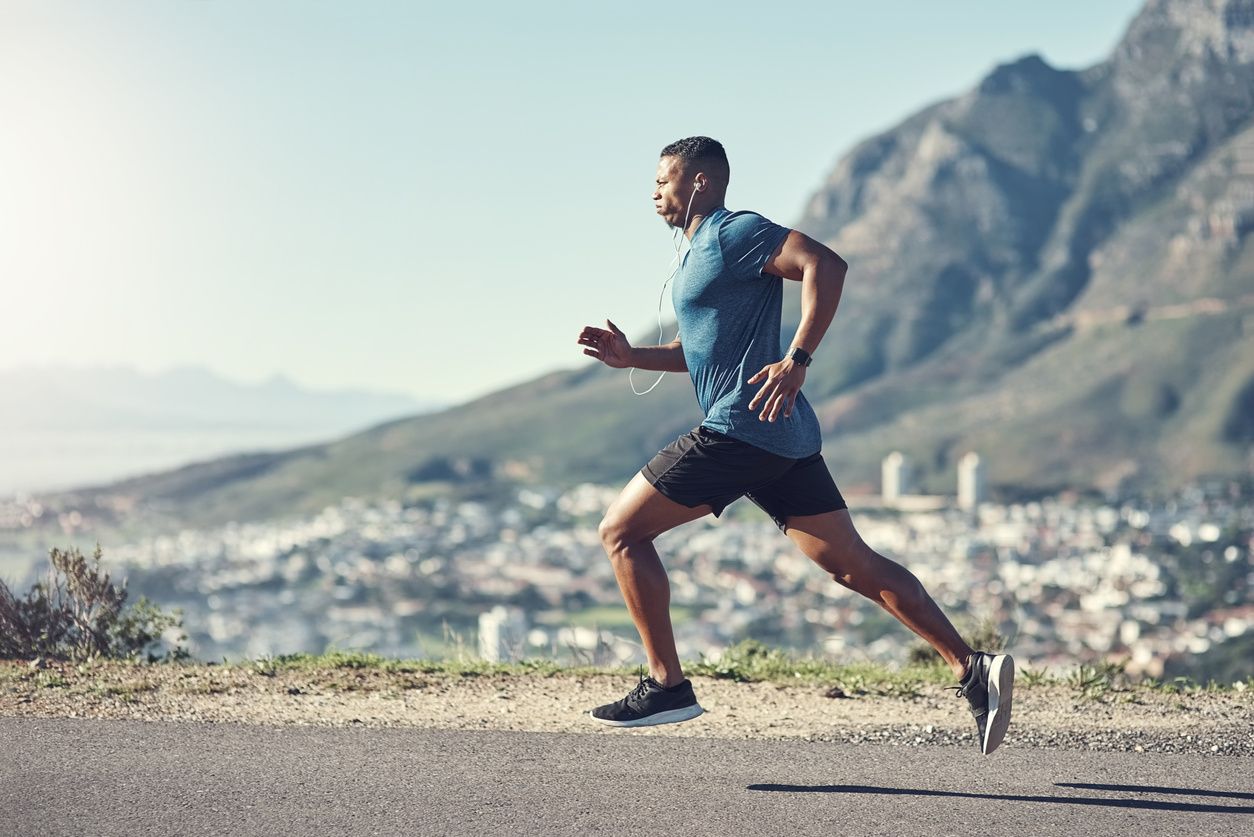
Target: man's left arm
(822, 276)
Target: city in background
(1163, 586)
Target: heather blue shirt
(729, 322)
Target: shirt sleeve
(748, 241)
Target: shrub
(78, 613)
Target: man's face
(672, 191)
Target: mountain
(1054, 269)
(65, 426)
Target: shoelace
(641, 688)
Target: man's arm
(668, 358)
(611, 347)
(822, 276)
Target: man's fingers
(776, 404)
(764, 371)
(765, 415)
(614, 328)
(757, 398)
(764, 397)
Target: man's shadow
(1110, 802)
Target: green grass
(749, 661)
(361, 660)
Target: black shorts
(705, 467)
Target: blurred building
(971, 481)
(895, 477)
(502, 634)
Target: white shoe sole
(1001, 683)
(670, 716)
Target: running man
(760, 438)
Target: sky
(427, 198)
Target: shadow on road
(1157, 789)
(1143, 804)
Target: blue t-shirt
(729, 321)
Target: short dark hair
(701, 151)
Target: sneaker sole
(1001, 682)
(670, 716)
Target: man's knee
(844, 561)
(617, 533)
(860, 568)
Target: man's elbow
(833, 265)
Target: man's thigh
(805, 492)
(641, 512)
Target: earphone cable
(676, 263)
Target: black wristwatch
(799, 355)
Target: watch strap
(799, 355)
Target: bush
(78, 613)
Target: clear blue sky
(422, 197)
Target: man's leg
(639, 515)
(831, 541)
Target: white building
(502, 634)
(895, 477)
(971, 491)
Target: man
(760, 438)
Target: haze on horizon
(429, 200)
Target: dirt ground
(1136, 719)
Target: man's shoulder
(744, 222)
(745, 230)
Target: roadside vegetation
(78, 613)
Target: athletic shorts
(705, 467)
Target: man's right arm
(611, 347)
(668, 358)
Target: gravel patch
(1136, 719)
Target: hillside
(1054, 269)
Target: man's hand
(783, 382)
(610, 347)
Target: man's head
(692, 163)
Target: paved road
(74, 776)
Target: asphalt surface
(82, 776)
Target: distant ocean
(39, 461)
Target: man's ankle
(668, 682)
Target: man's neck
(693, 223)
(695, 220)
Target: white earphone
(677, 263)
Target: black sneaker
(648, 704)
(988, 686)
